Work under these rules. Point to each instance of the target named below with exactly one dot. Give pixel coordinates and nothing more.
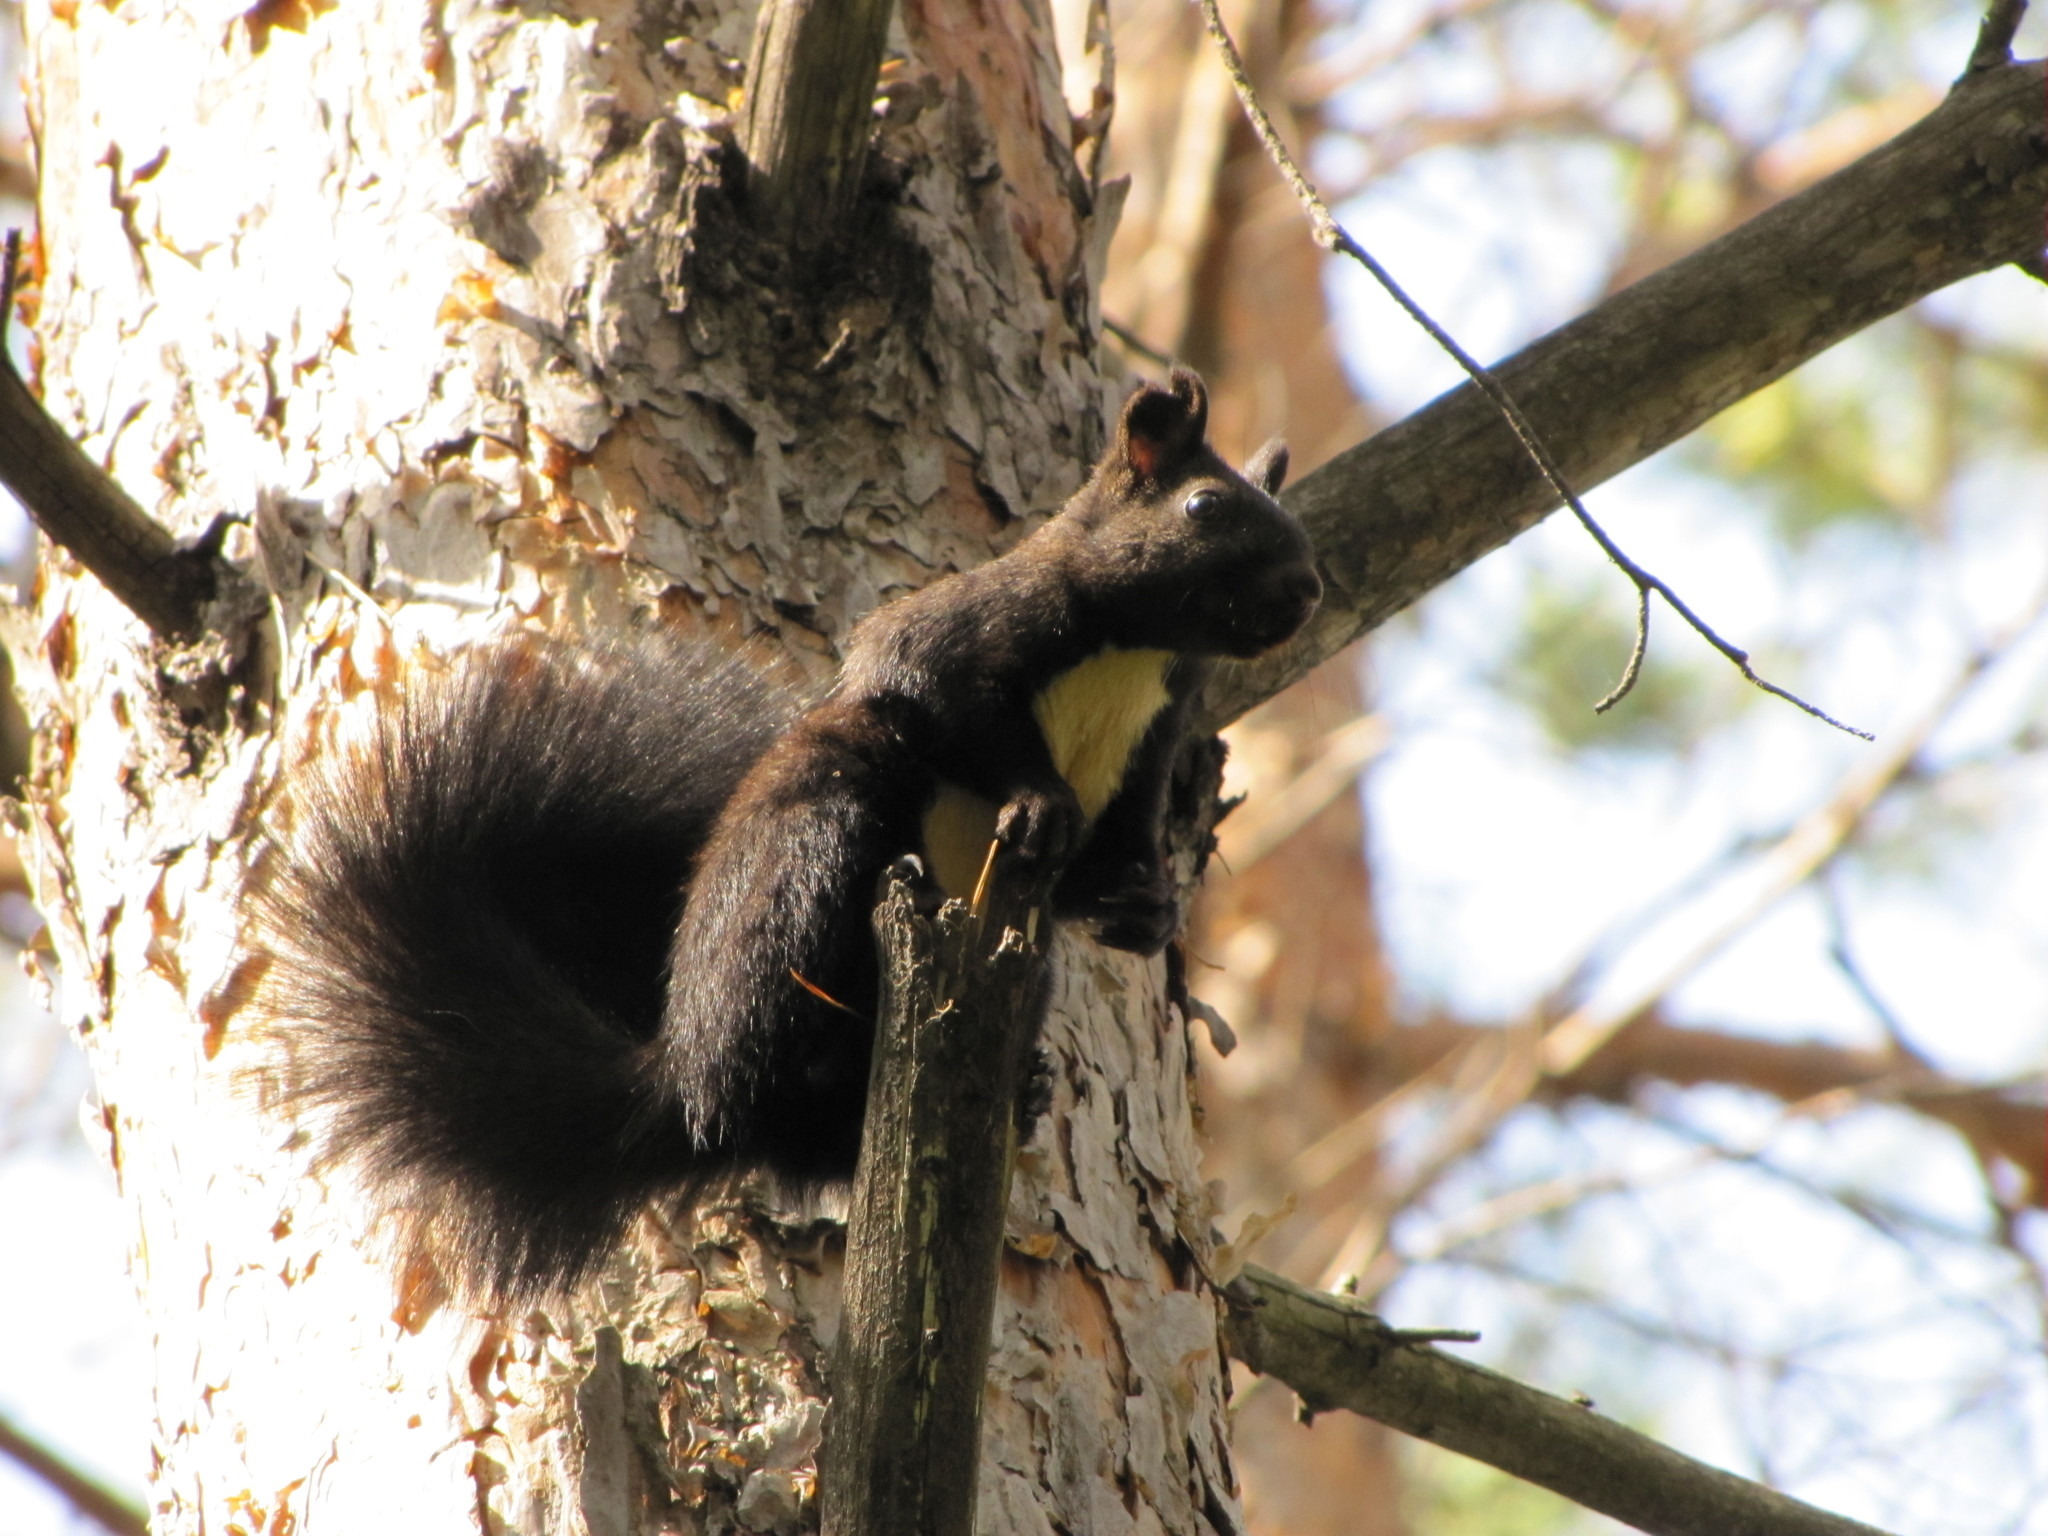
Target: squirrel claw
(926, 894)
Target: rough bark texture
(450, 303)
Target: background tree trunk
(450, 304)
(1214, 263)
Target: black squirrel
(580, 927)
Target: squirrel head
(1184, 552)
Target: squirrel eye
(1203, 503)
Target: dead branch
(810, 108)
(960, 1000)
(2000, 1121)
(1994, 38)
(171, 587)
(1337, 1354)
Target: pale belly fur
(1092, 716)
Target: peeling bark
(451, 309)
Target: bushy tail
(471, 914)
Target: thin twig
(1637, 654)
(1437, 1335)
(1852, 972)
(10, 274)
(1333, 237)
(1133, 342)
(1994, 37)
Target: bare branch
(1959, 193)
(1257, 828)
(810, 108)
(1337, 1354)
(2000, 1121)
(1807, 848)
(1498, 1070)
(1333, 237)
(1638, 653)
(10, 275)
(83, 1492)
(960, 999)
(1133, 342)
(1845, 961)
(167, 585)
(1994, 38)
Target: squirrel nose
(1303, 587)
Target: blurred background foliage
(1782, 1205)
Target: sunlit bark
(448, 303)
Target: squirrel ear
(1267, 469)
(1161, 426)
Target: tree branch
(810, 108)
(86, 1494)
(1994, 38)
(1958, 193)
(1998, 1120)
(168, 585)
(1335, 238)
(960, 1001)
(1337, 1354)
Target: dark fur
(474, 919)
(478, 914)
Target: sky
(1883, 1363)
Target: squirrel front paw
(1041, 825)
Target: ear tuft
(1267, 469)
(1194, 394)
(1163, 425)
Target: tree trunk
(453, 308)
